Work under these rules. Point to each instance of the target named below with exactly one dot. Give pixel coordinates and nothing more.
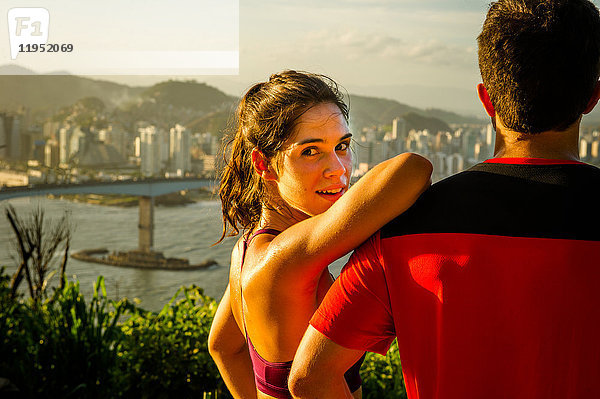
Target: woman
(286, 184)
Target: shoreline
(149, 260)
(125, 201)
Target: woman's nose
(335, 166)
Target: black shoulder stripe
(546, 201)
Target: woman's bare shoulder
(254, 260)
(236, 259)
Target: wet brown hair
(539, 61)
(265, 119)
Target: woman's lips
(332, 194)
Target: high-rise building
(438, 161)
(399, 134)
(454, 164)
(583, 149)
(595, 149)
(150, 151)
(137, 147)
(10, 134)
(64, 143)
(489, 135)
(3, 139)
(51, 154)
(179, 150)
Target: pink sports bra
(272, 377)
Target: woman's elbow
(214, 347)
(299, 384)
(412, 171)
(217, 345)
(419, 164)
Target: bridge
(146, 189)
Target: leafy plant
(382, 375)
(66, 347)
(61, 346)
(166, 354)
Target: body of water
(182, 232)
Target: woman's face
(314, 170)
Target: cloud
(353, 45)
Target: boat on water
(139, 258)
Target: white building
(490, 135)
(150, 151)
(583, 148)
(64, 144)
(454, 164)
(51, 155)
(179, 150)
(399, 128)
(439, 166)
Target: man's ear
(262, 166)
(484, 97)
(593, 99)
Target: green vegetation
(62, 345)
(166, 354)
(382, 375)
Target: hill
(48, 93)
(197, 105)
(215, 122)
(189, 94)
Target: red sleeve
(356, 311)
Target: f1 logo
(27, 26)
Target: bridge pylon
(146, 224)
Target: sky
(373, 47)
(420, 52)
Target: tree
(37, 240)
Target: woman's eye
(342, 147)
(309, 151)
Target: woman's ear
(262, 166)
(484, 97)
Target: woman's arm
(228, 348)
(299, 254)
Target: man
(490, 281)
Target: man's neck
(548, 145)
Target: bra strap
(245, 248)
(247, 241)
(263, 231)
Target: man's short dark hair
(540, 60)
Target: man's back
(490, 271)
(489, 282)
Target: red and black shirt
(491, 282)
